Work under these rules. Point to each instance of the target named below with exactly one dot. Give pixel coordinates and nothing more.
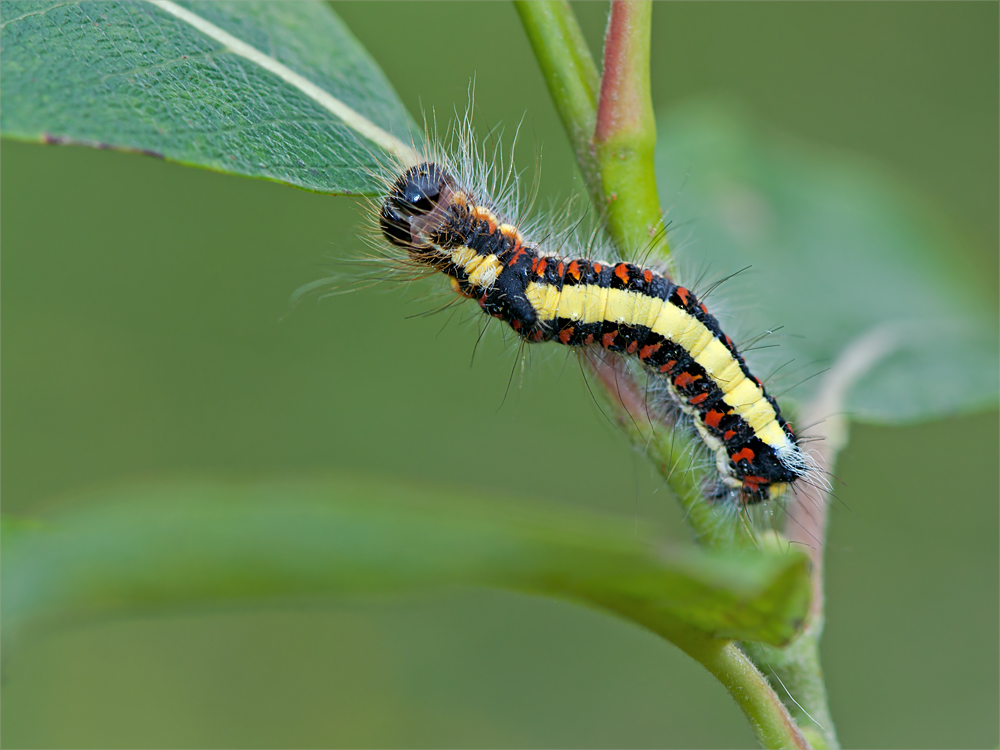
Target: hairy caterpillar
(444, 225)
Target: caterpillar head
(416, 207)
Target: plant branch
(619, 159)
(671, 451)
(809, 527)
(770, 720)
(625, 132)
(569, 70)
(617, 163)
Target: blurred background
(147, 334)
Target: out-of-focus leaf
(204, 544)
(837, 251)
(134, 76)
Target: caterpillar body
(443, 225)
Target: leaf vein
(34, 13)
(350, 117)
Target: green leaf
(838, 251)
(279, 91)
(177, 547)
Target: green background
(147, 334)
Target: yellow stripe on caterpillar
(482, 270)
(462, 256)
(747, 400)
(676, 325)
(621, 307)
(589, 303)
(549, 305)
(621, 304)
(721, 365)
(486, 272)
(583, 303)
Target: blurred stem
(796, 667)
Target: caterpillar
(443, 225)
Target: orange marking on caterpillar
(713, 418)
(685, 379)
(648, 351)
(484, 214)
(518, 252)
(463, 234)
(512, 233)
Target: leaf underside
(130, 76)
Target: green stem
(670, 451)
(770, 720)
(617, 164)
(568, 69)
(798, 678)
(625, 132)
(613, 135)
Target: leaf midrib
(351, 118)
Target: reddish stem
(624, 104)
